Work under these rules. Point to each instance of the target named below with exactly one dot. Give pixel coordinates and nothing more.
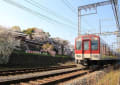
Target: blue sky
(57, 18)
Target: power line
(68, 4)
(36, 4)
(35, 13)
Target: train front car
(87, 49)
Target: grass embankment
(111, 78)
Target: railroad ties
(50, 77)
(36, 75)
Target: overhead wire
(36, 4)
(36, 13)
(69, 5)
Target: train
(92, 50)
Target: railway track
(31, 70)
(51, 77)
(46, 76)
(54, 79)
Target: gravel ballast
(85, 80)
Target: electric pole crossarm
(94, 5)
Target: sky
(58, 17)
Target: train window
(78, 45)
(86, 45)
(94, 44)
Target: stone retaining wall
(36, 60)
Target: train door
(86, 52)
(86, 49)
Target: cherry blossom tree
(7, 44)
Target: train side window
(94, 44)
(78, 45)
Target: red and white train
(90, 49)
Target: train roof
(88, 35)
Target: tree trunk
(62, 48)
(30, 36)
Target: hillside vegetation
(111, 78)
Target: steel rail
(31, 70)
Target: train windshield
(86, 45)
(94, 44)
(78, 45)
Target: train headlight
(78, 56)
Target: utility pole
(115, 8)
(86, 7)
(100, 25)
(79, 22)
